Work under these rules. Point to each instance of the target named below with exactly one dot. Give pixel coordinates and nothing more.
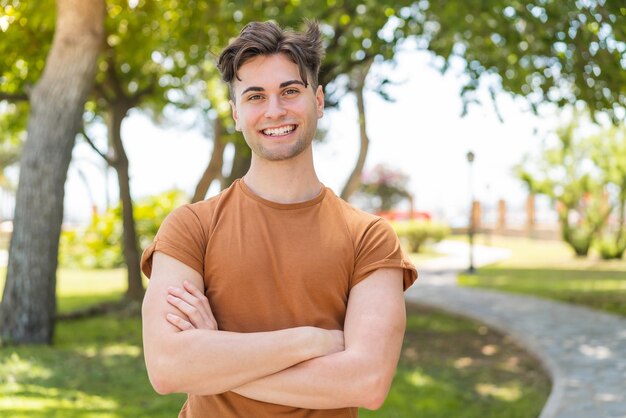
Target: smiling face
(273, 109)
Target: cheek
(246, 120)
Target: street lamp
(470, 230)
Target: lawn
(449, 367)
(454, 367)
(549, 269)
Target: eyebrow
(282, 85)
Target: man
(275, 298)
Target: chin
(281, 154)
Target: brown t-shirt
(270, 266)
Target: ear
(233, 108)
(319, 99)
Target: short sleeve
(180, 236)
(380, 247)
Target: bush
(100, 244)
(609, 249)
(414, 233)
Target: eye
(291, 92)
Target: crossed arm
(302, 367)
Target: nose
(275, 108)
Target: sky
(421, 133)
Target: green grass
(78, 289)
(549, 269)
(95, 369)
(449, 367)
(454, 367)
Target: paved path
(583, 350)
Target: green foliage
(575, 174)
(556, 51)
(415, 233)
(99, 245)
(384, 187)
(561, 52)
(609, 155)
(611, 249)
(26, 29)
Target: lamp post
(470, 229)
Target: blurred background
(500, 120)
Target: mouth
(279, 131)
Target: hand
(194, 311)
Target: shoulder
(358, 222)
(204, 211)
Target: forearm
(339, 380)
(359, 376)
(208, 362)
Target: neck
(289, 181)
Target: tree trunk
(359, 76)
(57, 103)
(117, 113)
(241, 163)
(214, 169)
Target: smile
(280, 131)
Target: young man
(275, 298)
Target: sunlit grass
(453, 367)
(549, 269)
(96, 368)
(532, 253)
(78, 289)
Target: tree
(608, 152)
(359, 75)
(222, 132)
(11, 140)
(384, 187)
(153, 61)
(561, 52)
(57, 102)
(566, 173)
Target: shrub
(414, 233)
(99, 245)
(609, 249)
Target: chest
(271, 272)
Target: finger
(194, 298)
(201, 297)
(197, 316)
(184, 295)
(188, 310)
(179, 322)
(197, 309)
(204, 306)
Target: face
(273, 109)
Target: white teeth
(283, 130)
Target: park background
(510, 82)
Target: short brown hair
(267, 38)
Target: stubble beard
(285, 152)
(281, 155)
